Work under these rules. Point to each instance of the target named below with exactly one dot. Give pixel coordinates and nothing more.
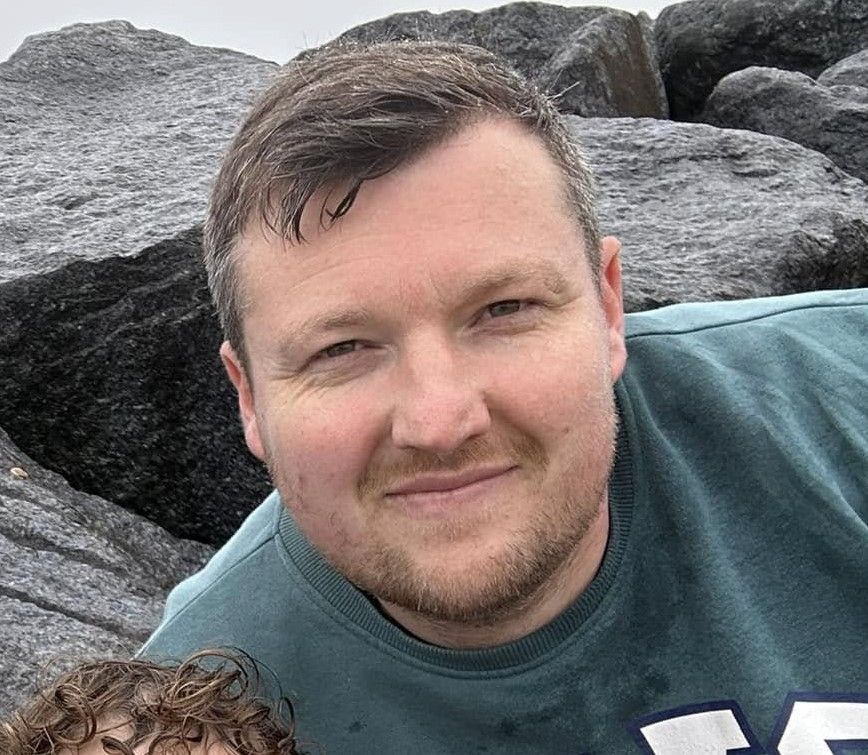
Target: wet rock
(853, 71)
(647, 25)
(111, 375)
(79, 576)
(114, 135)
(111, 135)
(605, 68)
(597, 59)
(707, 213)
(700, 41)
(832, 120)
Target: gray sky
(265, 28)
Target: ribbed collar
(358, 609)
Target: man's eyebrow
(515, 272)
(349, 317)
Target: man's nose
(438, 402)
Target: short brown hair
(351, 112)
(209, 698)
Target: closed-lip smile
(435, 483)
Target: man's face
(430, 379)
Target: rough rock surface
(853, 70)
(700, 41)
(79, 577)
(707, 213)
(112, 377)
(832, 120)
(597, 58)
(111, 135)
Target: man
(203, 706)
(489, 535)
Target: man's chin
(470, 587)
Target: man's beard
(532, 554)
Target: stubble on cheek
(323, 522)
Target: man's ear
(613, 303)
(238, 376)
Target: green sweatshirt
(730, 612)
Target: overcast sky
(265, 28)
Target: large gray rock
(111, 375)
(853, 71)
(597, 59)
(708, 213)
(110, 136)
(700, 41)
(79, 576)
(832, 120)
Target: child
(203, 706)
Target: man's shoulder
(257, 530)
(816, 308)
(816, 337)
(229, 564)
(726, 354)
(766, 388)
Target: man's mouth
(435, 483)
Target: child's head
(204, 705)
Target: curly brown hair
(209, 698)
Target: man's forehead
(331, 300)
(509, 158)
(465, 270)
(471, 214)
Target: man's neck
(549, 601)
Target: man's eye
(339, 349)
(503, 308)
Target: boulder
(832, 120)
(707, 213)
(605, 68)
(79, 577)
(853, 70)
(111, 135)
(700, 41)
(112, 377)
(114, 135)
(596, 59)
